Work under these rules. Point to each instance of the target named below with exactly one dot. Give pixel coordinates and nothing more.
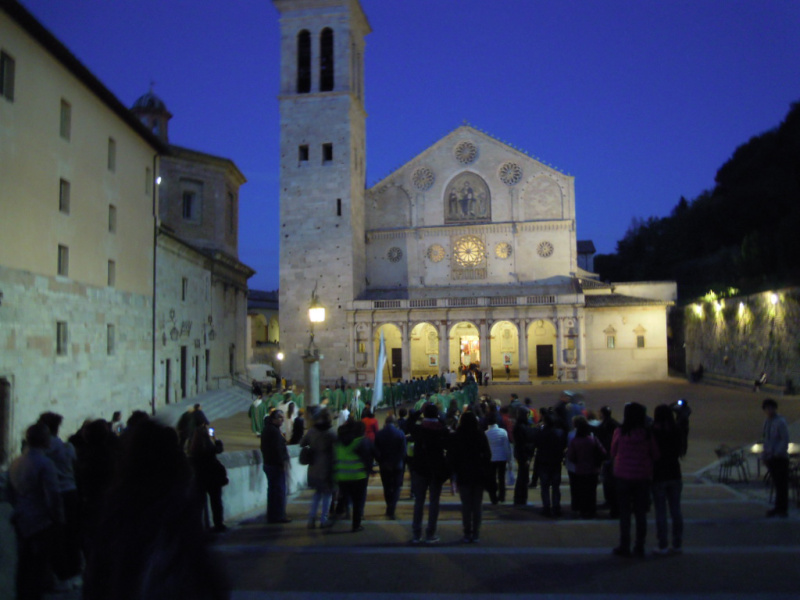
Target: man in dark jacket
(390, 452)
(276, 464)
(605, 433)
(551, 441)
(523, 452)
(428, 470)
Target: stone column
(559, 358)
(524, 376)
(311, 376)
(581, 348)
(486, 353)
(444, 347)
(405, 341)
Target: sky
(641, 100)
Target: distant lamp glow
(773, 298)
(279, 356)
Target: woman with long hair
(667, 479)
(633, 450)
(320, 438)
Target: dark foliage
(744, 233)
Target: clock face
(503, 250)
(469, 251)
(436, 253)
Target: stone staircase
(216, 404)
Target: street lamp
(312, 355)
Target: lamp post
(312, 355)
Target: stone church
(467, 254)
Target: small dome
(150, 102)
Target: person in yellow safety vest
(353, 456)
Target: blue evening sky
(640, 100)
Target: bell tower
(322, 177)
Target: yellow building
(78, 205)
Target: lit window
(66, 119)
(112, 155)
(110, 339)
(62, 338)
(63, 260)
(184, 288)
(640, 341)
(112, 218)
(112, 273)
(327, 152)
(303, 62)
(611, 342)
(326, 60)
(302, 153)
(63, 196)
(7, 67)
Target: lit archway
(259, 329)
(424, 350)
(541, 349)
(393, 369)
(504, 343)
(273, 330)
(465, 346)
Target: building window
(189, 206)
(327, 153)
(231, 214)
(611, 342)
(63, 260)
(640, 341)
(63, 196)
(148, 181)
(112, 155)
(326, 60)
(66, 120)
(110, 339)
(303, 62)
(191, 200)
(302, 153)
(112, 218)
(112, 273)
(7, 66)
(62, 338)
(184, 288)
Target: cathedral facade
(466, 255)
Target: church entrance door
(544, 361)
(397, 364)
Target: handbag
(306, 455)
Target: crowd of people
(118, 508)
(481, 445)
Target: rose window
(469, 251)
(436, 253)
(545, 249)
(423, 179)
(466, 152)
(394, 254)
(510, 173)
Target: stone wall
(742, 336)
(87, 381)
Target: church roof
(474, 131)
(150, 101)
(609, 300)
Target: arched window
(303, 62)
(326, 60)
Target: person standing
(390, 452)
(38, 511)
(634, 450)
(321, 439)
(524, 437)
(605, 433)
(586, 454)
(776, 456)
(501, 453)
(550, 444)
(352, 466)
(68, 557)
(470, 457)
(276, 466)
(667, 478)
(429, 470)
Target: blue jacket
(390, 447)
